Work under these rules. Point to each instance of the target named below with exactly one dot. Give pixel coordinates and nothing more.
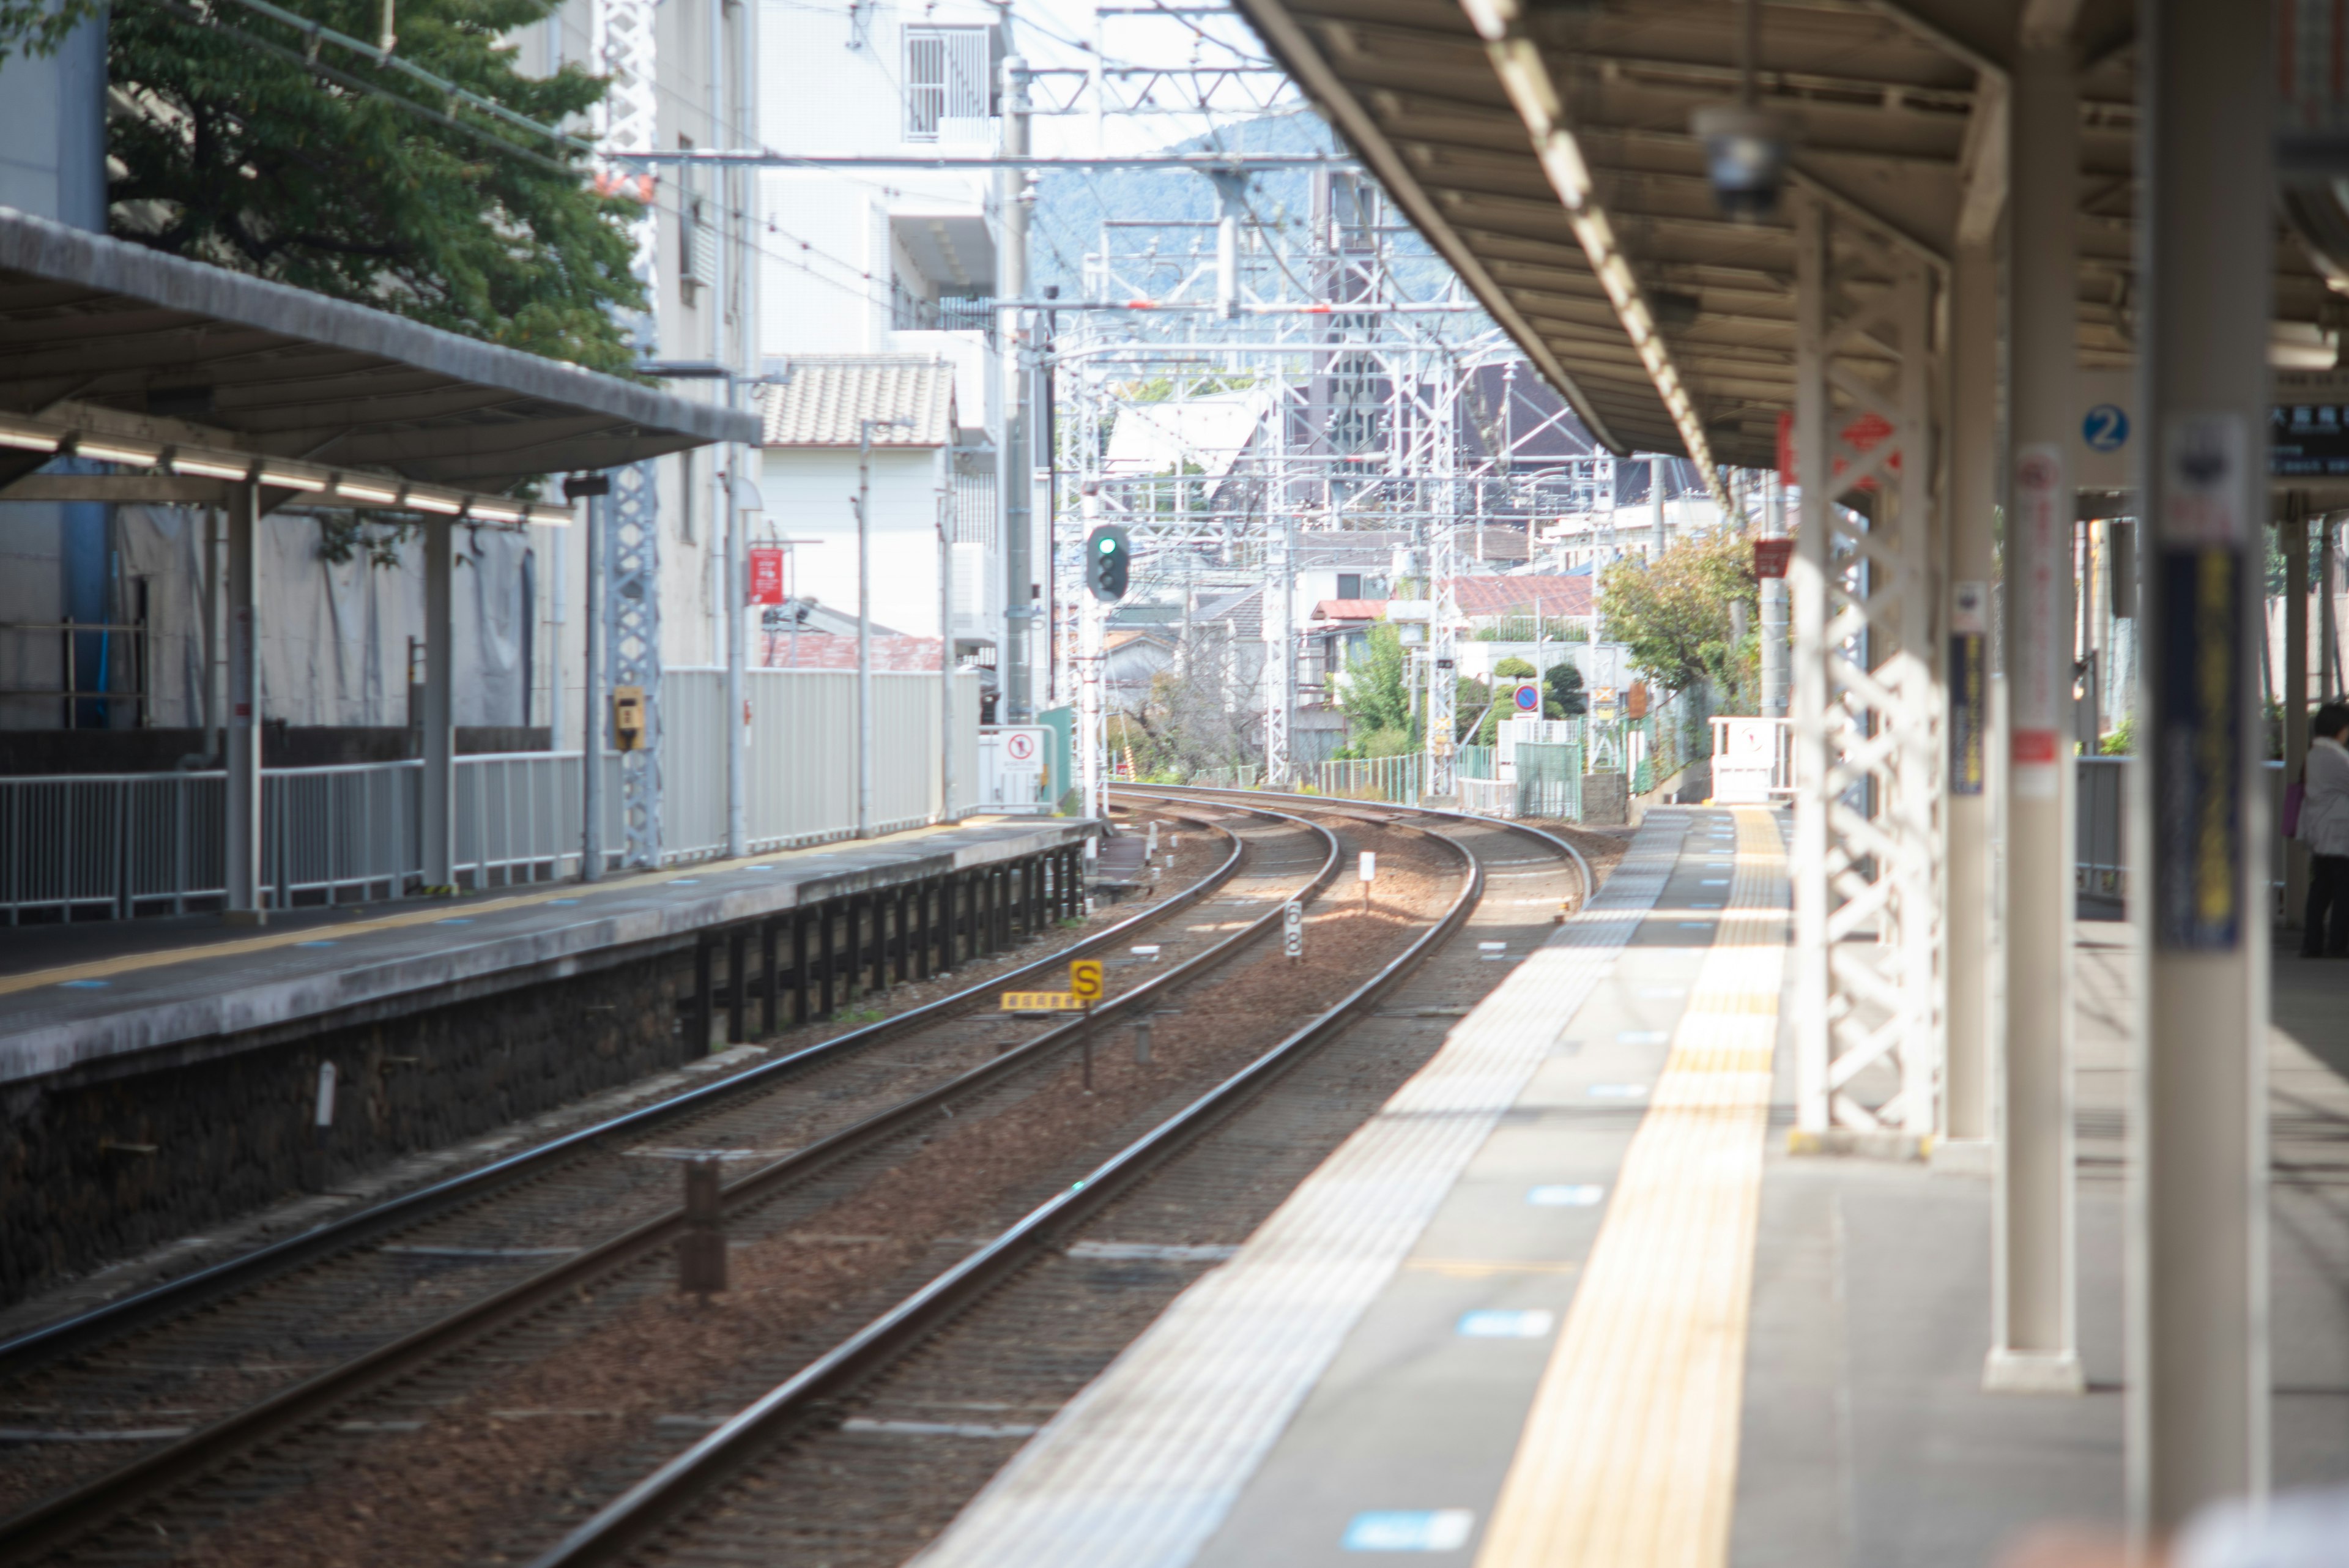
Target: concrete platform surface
(1614, 1322)
(199, 985)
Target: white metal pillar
(1967, 918)
(738, 701)
(2035, 1343)
(591, 731)
(439, 816)
(1092, 621)
(1866, 708)
(1280, 638)
(2198, 1341)
(240, 736)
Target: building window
(1350, 585)
(945, 77)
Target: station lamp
(1109, 562)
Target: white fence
(124, 844)
(1488, 797)
(98, 844)
(803, 756)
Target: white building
(874, 265)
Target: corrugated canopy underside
(289, 373)
(1883, 102)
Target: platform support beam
(2197, 1370)
(439, 818)
(241, 737)
(1970, 811)
(2034, 1341)
(1867, 702)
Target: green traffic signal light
(1109, 562)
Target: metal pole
(946, 651)
(1774, 605)
(1969, 885)
(591, 732)
(1015, 463)
(215, 709)
(2328, 579)
(1809, 708)
(2198, 1341)
(241, 740)
(738, 704)
(2035, 1340)
(863, 630)
(1656, 499)
(440, 813)
(2293, 527)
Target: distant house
(818, 413)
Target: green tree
(1563, 685)
(1674, 613)
(347, 179)
(1376, 697)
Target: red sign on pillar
(766, 575)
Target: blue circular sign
(2106, 428)
(1528, 699)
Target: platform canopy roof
(109, 341)
(1545, 149)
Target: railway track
(254, 1488)
(867, 1451)
(188, 1376)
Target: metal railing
(1488, 797)
(2100, 827)
(96, 844)
(1396, 780)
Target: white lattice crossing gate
(1867, 707)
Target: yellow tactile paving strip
(1629, 1456)
(127, 963)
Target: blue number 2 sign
(2106, 428)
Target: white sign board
(1512, 733)
(1748, 755)
(1012, 767)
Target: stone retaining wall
(93, 1172)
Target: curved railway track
(584, 1262)
(818, 1469)
(221, 1355)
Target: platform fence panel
(1487, 797)
(1549, 780)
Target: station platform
(80, 997)
(1566, 1299)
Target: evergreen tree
(235, 140)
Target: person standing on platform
(2324, 827)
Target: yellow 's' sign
(1085, 977)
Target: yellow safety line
(1629, 1456)
(98, 969)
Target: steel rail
(629, 1521)
(1211, 793)
(72, 1514)
(72, 1333)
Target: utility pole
(1015, 464)
(864, 623)
(1093, 615)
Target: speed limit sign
(1292, 928)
